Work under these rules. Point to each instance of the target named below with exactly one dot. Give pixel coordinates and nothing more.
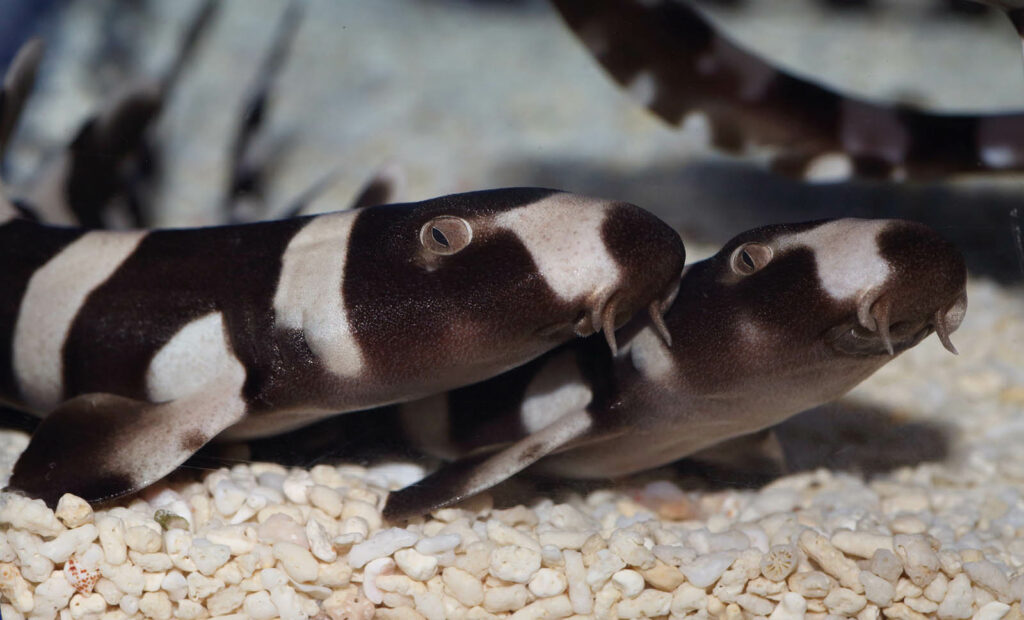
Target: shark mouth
(874, 333)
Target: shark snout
(898, 325)
(924, 291)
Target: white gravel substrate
(932, 540)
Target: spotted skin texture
(180, 336)
(751, 346)
(685, 67)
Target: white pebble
(73, 511)
(142, 539)
(605, 565)
(791, 607)
(177, 541)
(128, 577)
(280, 527)
(327, 499)
(877, 590)
(687, 599)
(436, 545)
(68, 542)
(375, 568)
(415, 564)
(31, 515)
(111, 532)
(175, 585)
(675, 555)
(228, 497)
(381, 544)
(505, 598)
(936, 590)
(562, 539)
(320, 541)
(430, 605)
(503, 535)
(755, 604)
(52, 595)
(706, 569)
(155, 605)
(287, 602)
(514, 563)
(959, 599)
(15, 589)
(558, 607)
(920, 561)
(362, 509)
(831, 560)
(189, 610)
(81, 606)
(845, 602)
(860, 544)
(270, 578)
(201, 586)
(466, 588)
(629, 582)
(297, 561)
(992, 611)
(240, 539)
(920, 604)
(547, 582)
(811, 584)
(579, 592)
(258, 606)
(208, 556)
(886, 565)
(296, 488)
(988, 575)
(649, 604)
(225, 601)
(628, 544)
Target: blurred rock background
(465, 94)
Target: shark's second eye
(750, 258)
(445, 235)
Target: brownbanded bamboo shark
(138, 347)
(782, 319)
(673, 60)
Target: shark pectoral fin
(101, 446)
(464, 478)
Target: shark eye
(445, 235)
(750, 258)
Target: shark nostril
(582, 324)
(866, 308)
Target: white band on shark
(559, 259)
(198, 352)
(54, 296)
(309, 292)
(854, 263)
